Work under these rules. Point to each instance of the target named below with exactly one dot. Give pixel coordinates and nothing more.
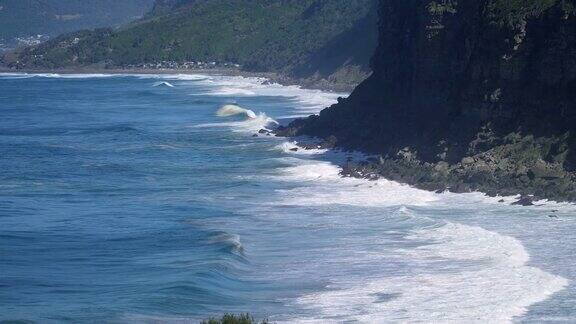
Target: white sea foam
(491, 283)
(233, 110)
(230, 240)
(11, 76)
(460, 273)
(57, 75)
(171, 77)
(250, 125)
(329, 187)
(163, 84)
(231, 91)
(309, 101)
(293, 148)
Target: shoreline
(430, 177)
(272, 77)
(423, 176)
(515, 269)
(549, 211)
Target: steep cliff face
(482, 94)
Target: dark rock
(525, 201)
(466, 95)
(294, 149)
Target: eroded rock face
(486, 87)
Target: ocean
(126, 199)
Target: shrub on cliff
(234, 319)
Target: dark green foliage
(162, 7)
(512, 12)
(20, 18)
(234, 319)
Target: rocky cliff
(466, 95)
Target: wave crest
(234, 110)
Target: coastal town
(22, 41)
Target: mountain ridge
(314, 40)
(28, 18)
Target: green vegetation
(512, 12)
(22, 18)
(234, 319)
(272, 35)
(442, 7)
(162, 7)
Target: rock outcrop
(466, 95)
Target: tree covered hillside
(303, 38)
(24, 18)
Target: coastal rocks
(263, 132)
(484, 102)
(458, 178)
(525, 201)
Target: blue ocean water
(125, 199)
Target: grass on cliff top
(512, 12)
(234, 319)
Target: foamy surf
(163, 84)
(170, 77)
(459, 273)
(463, 275)
(234, 110)
(326, 186)
(307, 101)
(56, 75)
(252, 124)
(293, 148)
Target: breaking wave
(461, 274)
(233, 110)
(456, 272)
(251, 124)
(163, 84)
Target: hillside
(314, 39)
(162, 7)
(26, 19)
(466, 95)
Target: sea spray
(252, 124)
(457, 272)
(164, 84)
(234, 110)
